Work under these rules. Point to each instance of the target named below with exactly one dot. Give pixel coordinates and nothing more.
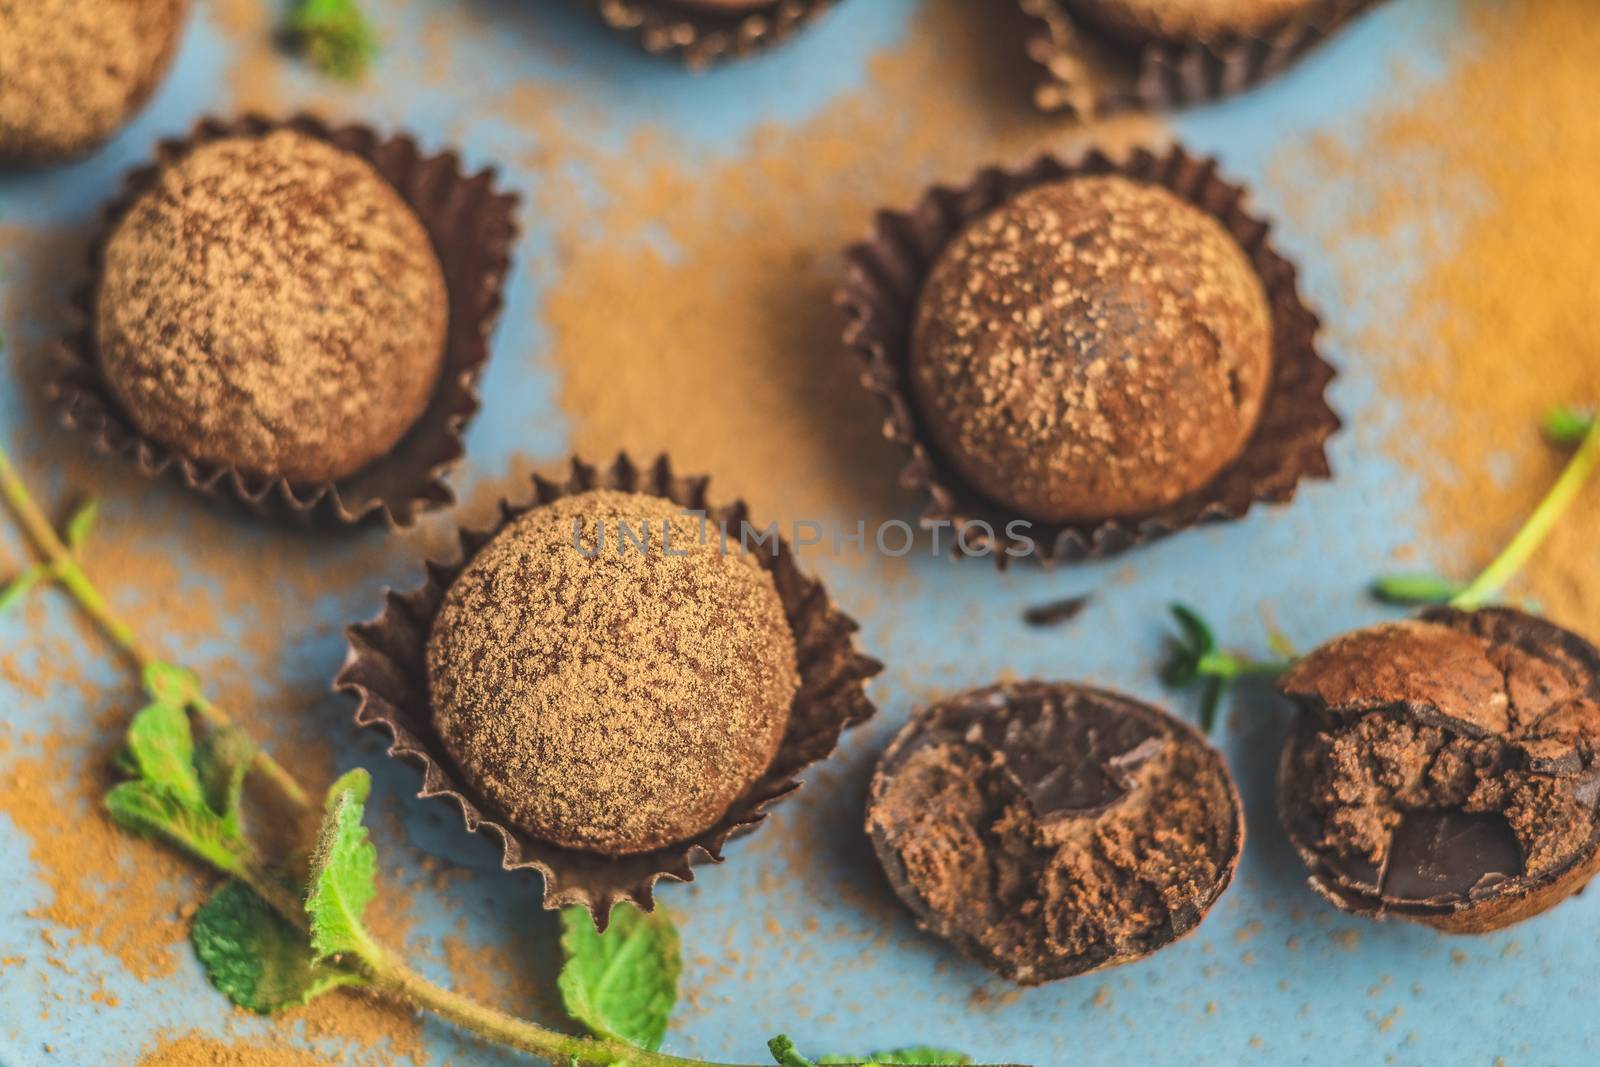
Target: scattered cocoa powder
(1487, 177)
(735, 320)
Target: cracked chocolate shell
(1049, 830)
(1446, 769)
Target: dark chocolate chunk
(1447, 769)
(1005, 819)
(1436, 857)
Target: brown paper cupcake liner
(700, 37)
(385, 670)
(472, 225)
(1088, 75)
(884, 277)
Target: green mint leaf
(153, 812)
(18, 588)
(161, 746)
(1196, 631)
(335, 35)
(344, 871)
(167, 683)
(621, 984)
(81, 525)
(256, 957)
(1413, 590)
(784, 1052)
(922, 1055)
(1568, 425)
(222, 760)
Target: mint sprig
(334, 35)
(256, 957)
(269, 939)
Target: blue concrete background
(806, 939)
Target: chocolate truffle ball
(608, 697)
(272, 305)
(1447, 769)
(726, 7)
(73, 71)
(1094, 348)
(1139, 21)
(1051, 830)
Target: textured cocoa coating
(271, 304)
(1051, 830)
(1139, 21)
(1094, 348)
(73, 71)
(616, 702)
(728, 6)
(1447, 769)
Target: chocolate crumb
(1447, 769)
(1051, 830)
(1057, 612)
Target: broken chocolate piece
(1051, 830)
(1446, 769)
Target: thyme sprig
(1568, 427)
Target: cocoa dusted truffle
(72, 72)
(1447, 769)
(1051, 830)
(1094, 348)
(730, 7)
(273, 306)
(608, 678)
(1140, 21)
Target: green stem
(1228, 667)
(392, 976)
(1544, 518)
(66, 571)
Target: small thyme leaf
(19, 587)
(621, 984)
(344, 871)
(255, 957)
(81, 525)
(1416, 590)
(1568, 425)
(335, 36)
(161, 746)
(1199, 633)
